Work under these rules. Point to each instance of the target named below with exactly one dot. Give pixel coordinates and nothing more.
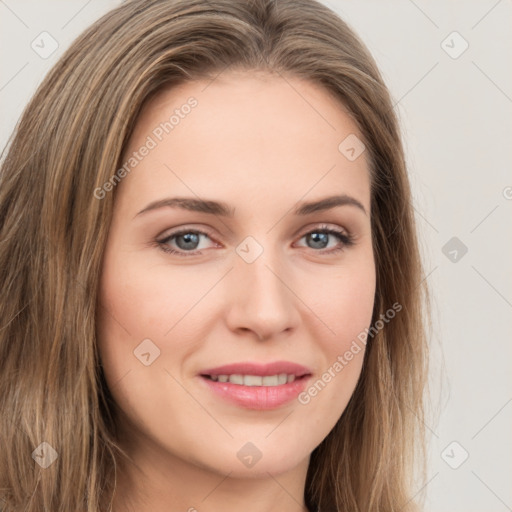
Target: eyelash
(347, 240)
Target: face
(243, 280)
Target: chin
(251, 459)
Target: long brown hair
(53, 230)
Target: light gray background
(457, 124)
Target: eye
(319, 239)
(186, 242)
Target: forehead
(251, 134)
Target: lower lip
(257, 397)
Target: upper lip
(249, 368)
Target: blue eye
(320, 239)
(186, 241)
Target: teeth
(255, 380)
(272, 380)
(236, 379)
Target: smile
(254, 380)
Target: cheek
(137, 307)
(138, 302)
(345, 303)
(150, 301)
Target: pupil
(190, 238)
(319, 238)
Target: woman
(213, 293)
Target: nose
(261, 298)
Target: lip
(257, 397)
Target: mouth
(254, 386)
(255, 380)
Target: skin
(261, 144)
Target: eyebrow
(222, 209)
